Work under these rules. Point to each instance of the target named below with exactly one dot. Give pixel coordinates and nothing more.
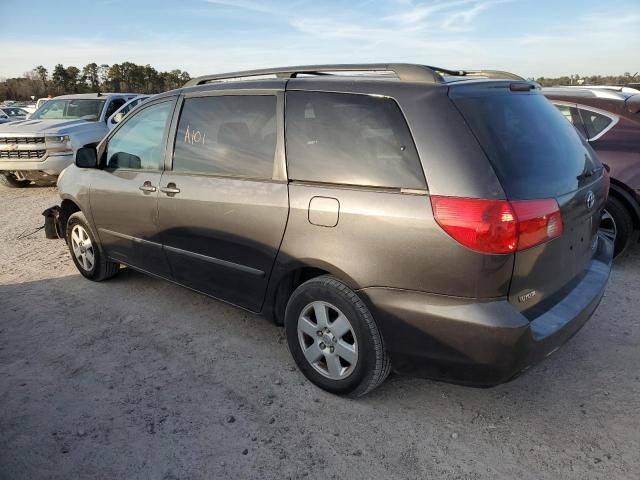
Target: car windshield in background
(82, 109)
(13, 111)
(533, 149)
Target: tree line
(119, 77)
(576, 79)
(130, 77)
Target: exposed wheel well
(67, 208)
(287, 285)
(622, 193)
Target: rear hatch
(537, 154)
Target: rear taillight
(538, 221)
(498, 226)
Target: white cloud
(254, 6)
(420, 13)
(591, 44)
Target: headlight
(58, 143)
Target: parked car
(39, 149)
(14, 113)
(609, 117)
(418, 217)
(119, 114)
(42, 101)
(29, 108)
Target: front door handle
(147, 187)
(170, 189)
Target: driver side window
(138, 144)
(113, 106)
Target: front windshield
(73, 108)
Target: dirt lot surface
(139, 378)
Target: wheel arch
(286, 278)
(67, 208)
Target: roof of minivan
(383, 84)
(405, 73)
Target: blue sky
(532, 38)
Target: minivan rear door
(224, 201)
(537, 154)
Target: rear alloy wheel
(617, 225)
(334, 339)
(327, 340)
(10, 180)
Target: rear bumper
(50, 164)
(476, 342)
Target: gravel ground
(139, 378)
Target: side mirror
(87, 157)
(117, 118)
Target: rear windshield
(535, 152)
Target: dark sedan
(609, 117)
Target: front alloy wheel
(82, 248)
(85, 250)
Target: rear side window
(350, 139)
(594, 123)
(535, 152)
(227, 135)
(566, 111)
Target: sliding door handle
(170, 189)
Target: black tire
(623, 224)
(372, 365)
(101, 268)
(9, 180)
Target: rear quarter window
(594, 123)
(535, 152)
(350, 139)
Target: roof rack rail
(405, 72)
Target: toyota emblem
(590, 199)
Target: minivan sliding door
(222, 209)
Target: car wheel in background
(334, 339)
(9, 180)
(617, 225)
(86, 252)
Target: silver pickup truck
(38, 149)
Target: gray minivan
(441, 223)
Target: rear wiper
(588, 173)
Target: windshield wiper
(588, 173)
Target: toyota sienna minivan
(438, 223)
